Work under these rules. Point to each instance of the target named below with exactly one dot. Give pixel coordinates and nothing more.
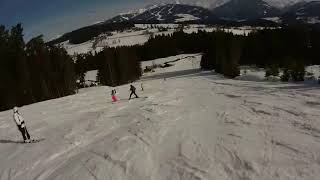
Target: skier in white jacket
(21, 125)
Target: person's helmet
(15, 109)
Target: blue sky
(55, 17)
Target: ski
(34, 141)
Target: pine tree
(107, 71)
(272, 70)
(207, 61)
(297, 71)
(231, 66)
(286, 75)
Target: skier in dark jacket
(21, 125)
(133, 91)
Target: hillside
(307, 12)
(256, 13)
(167, 13)
(245, 10)
(188, 125)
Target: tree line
(33, 71)
(36, 71)
(289, 48)
(89, 32)
(117, 66)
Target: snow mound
(251, 74)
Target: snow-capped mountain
(228, 10)
(245, 10)
(308, 12)
(236, 10)
(232, 13)
(122, 17)
(166, 13)
(282, 3)
(216, 3)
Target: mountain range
(166, 13)
(308, 12)
(233, 12)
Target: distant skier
(142, 89)
(133, 91)
(21, 125)
(113, 95)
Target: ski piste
(196, 126)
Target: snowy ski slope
(188, 125)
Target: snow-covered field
(310, 20)
(140, 36)
(182, 61)
(188, 124)
(91, 75)
(91, 78)
(126, 38)
(186, 17)
(252, 73)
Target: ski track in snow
(170, 10)
(193, 125)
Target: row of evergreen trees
(35, 71)
(89, 32)
(290, 48)
(223, 55)
(32, 72)
(117, 66)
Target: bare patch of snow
(91, 75)
(185, 17)
(310, 20)
(274, 19)
(313, 20)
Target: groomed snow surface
(188, 125)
